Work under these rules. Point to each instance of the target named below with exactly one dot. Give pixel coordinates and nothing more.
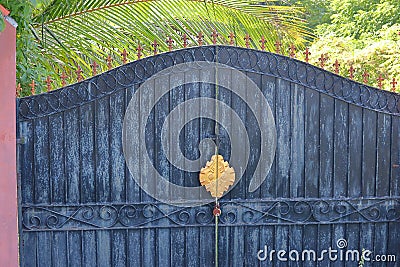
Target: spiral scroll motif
(234, 213)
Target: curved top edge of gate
(243, 59)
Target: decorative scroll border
(234, 213)
(248, 60)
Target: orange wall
(8, 177)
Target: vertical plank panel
(224, 248)
(282, 243)
(191, 129)
(252, 233)
(191, 149)
(311, 157)
(206, 244)
(41, 161)
(59, 249)
(163, 249)
(102, 159)
(283, 125)
(28, 249)
(238, 246)
(225, 145)
(326, 145)
(44, 247)
(267, 238)
(118, 245)
(355, 150)
(383, 155)
(354, 169)
(395, 157)
(225, 115)
(56, 137)
(251, 239)
(89, 249)
(117, 161)
(297, 142)
(340, 165)
(382, 179)
(87, 156)
(27, 162)
(340, 156)
(134, 248)
(269, 91)
(177, 246)
(103, 247)
(147, 235)
(254, 133)
(102, 152)
(239, 106)
(326, 125)
(177, 239)
(132, 188)
(369, 149)
(295, 243)
(207, 255)
(311, 143)
(369, 152)
(74, 248)
(393, 229)
(72, 158)
(162, 165)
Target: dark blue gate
(335, 180)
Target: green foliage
(380, 55)
(317, 11)
(2, 23)
(57, 36)
(29, 55)
(360, 18)
(364, 34)
(76, 33)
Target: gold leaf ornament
(217, 176)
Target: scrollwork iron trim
(247, 60)
(234, 213)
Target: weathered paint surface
(8, 177)
(334, 174)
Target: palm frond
(78, 32)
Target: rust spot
(307, 54)
(278, 46)
(214, 36)
(200, 38)
(380, 80)
(94, 66)
(124, 55)
(393, 83)
(231, 38)
(262, 41)
(32, 85)
(63, 79)
(247, 39)
(292, 51)
(139, 50)
(365, 77)
(170, 42)
(48, 83)
(336, 65)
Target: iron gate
(335, 177)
